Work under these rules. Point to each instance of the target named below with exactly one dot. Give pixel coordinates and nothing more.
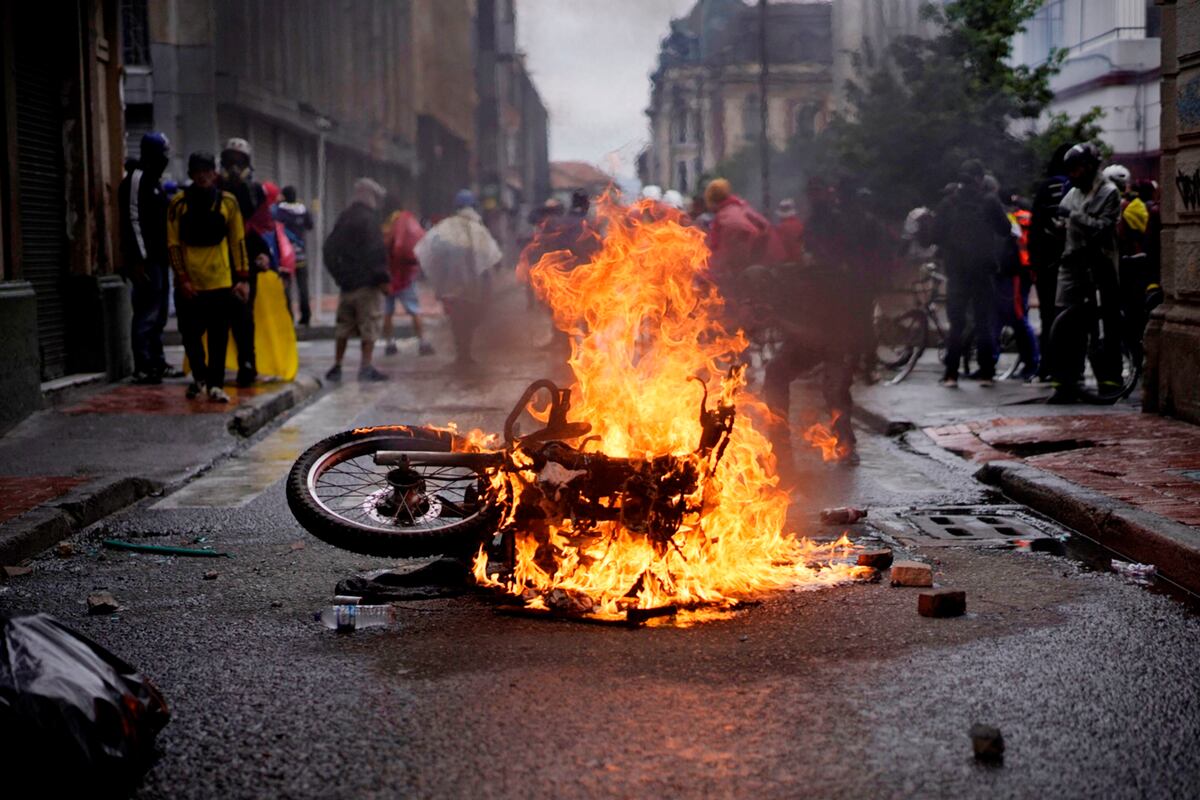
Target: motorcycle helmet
(1119, 175)
(673, 199)
(652, 192)
(1085, 155)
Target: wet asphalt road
(843, 692)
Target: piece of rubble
(102, 603)
(846, 515)
(911, 573)
(879, 559)
(942, 603)
(211, 575)
(14, 571)
(64, 550)
(988, 743)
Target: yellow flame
(644, 320)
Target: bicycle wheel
(900, 341)
(339, 494)
(1116, 387)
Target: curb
(1130, 532)
(41, 527)
(251, 417)
(881, 424)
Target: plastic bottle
(347, 618)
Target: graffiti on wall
(1189, 188)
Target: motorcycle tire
(347, 516)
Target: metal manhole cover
(950, 526)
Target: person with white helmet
(1119, 175)
(651, 192)
(237, 178)
(673, 199)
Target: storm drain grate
(963, 525)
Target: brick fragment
(988, 743)
(879, 559)
(101, 603)
(911, 573)
(942, 603)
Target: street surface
(842, 692)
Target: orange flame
(643, 320)
(823, 438)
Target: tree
(929, 103)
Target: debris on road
(348, 618)
(988, 743)
(64, 550)
(942, 603)
(14, 572)
(297, 545)
(102, 603)
(1139, 573)
(879, 559)
(165, 550)
(211, 575)
(911, 573)
(845, 515)
(87, 721)
(445, 577)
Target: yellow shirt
(208, 267)
(1136, 215)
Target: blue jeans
(1007, 299)
(149, 300)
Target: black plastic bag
(72, 715)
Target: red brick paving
(20, 494)
(162, 399)
(1136, 458)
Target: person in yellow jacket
(204, 231)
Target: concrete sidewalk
(1128, 480)
(109, 445)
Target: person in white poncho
(458, 255)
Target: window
(1153, 20)
(751, 120)
(135, 33)
(682, 177)
(679, 125)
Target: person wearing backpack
(204, 231)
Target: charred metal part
(557, 427)
(640, 615)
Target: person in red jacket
(790, 230)
(739, 236)
(401, 233)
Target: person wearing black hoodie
(143, 213)
(237, 178)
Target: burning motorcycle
(407, 491)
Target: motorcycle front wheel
(339, 494)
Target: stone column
(1172, 380)
(182, 48)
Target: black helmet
(1084, 154)
(201, 161)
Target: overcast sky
(591, 61)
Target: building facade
(512, 160)
(1113, 62)
(1172, 380)
(704, 97)
(63, 310)
(863, 28)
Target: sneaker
(194, 390)
(950, 383)
(147, 378)
(425, 348)
(391, 349)
(246, 377)
(371, 375)
(169, 371)
(335, 373)
(987, 383)
(217, 395)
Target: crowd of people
(236, 251)
(1086, 243)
